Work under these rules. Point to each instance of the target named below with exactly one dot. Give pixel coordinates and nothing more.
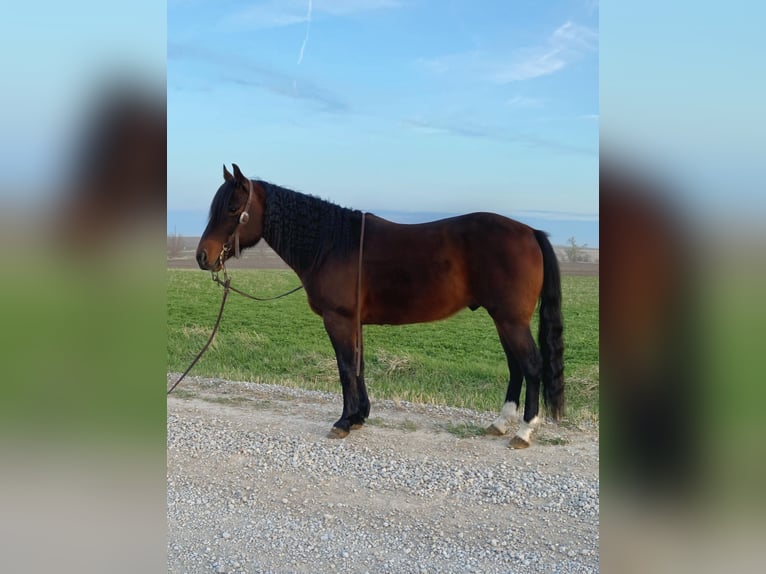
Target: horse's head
(236, 220)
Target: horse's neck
(279, 232)
(304, 230)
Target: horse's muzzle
(202, 260)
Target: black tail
(550, 338)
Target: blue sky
(400, 107)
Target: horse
(359, 269)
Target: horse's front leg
(356, 405)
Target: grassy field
(457, 362)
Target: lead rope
(244, 217)
(226, 288)
(253, 297)
(358, 351)
(226, 284)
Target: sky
(405, 108)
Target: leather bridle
(244, 217)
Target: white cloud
(567, 44)
(574, 37)
(278, 13)
(528, 64)
(270, 14)
(524, 102)
(341, 7)
(493, 132)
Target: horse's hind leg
(531, 404)
(518, 340)
(509, 415)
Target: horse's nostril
(202, 259)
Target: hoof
(518, 442)
(356, 426)
(336, 432)
(492, 430)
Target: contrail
(308, 29)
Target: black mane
(304, 229)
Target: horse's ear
(226, 175)
(237, 173)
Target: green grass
(457, 362)
(465, 430)
(552, 441)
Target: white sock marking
(508, 415)
(525, 429)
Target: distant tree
(175, 245)
(574, 251)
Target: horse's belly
(415, 290)
(401, 308)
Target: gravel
(254, 485)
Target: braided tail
(550, 336)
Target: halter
(244, 217)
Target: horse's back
(467, 230)
(506, 245)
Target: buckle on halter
(217, 279)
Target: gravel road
(255, 485)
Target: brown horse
(361, 269)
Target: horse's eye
(233, 207)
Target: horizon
(584, 228)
